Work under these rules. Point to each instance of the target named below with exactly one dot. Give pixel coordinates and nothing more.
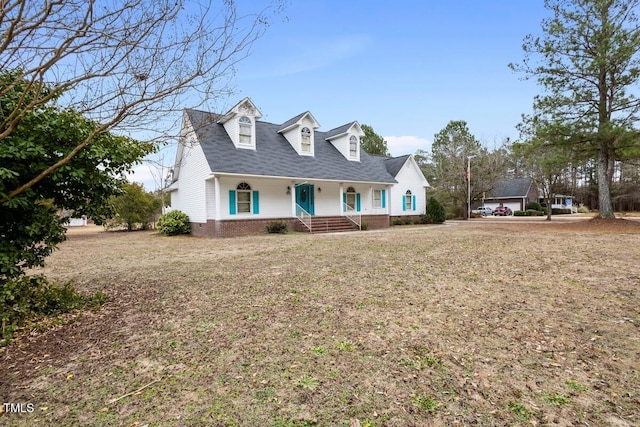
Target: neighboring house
(560, 201)
(512, 193)
(234, 174)
(72, 221)
(77, 222)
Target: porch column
(292, 198)
(216, 196)
(341, 192)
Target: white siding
(190, 197)
(342, 145)
(232, 127)
(328, 199)
(210, 197)
(274, 202)
(409, 178)
(294, 135)
(367, 201)
(231, 122)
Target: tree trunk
(605, 206)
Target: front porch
(319, 224)
(245, 205)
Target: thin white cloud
(326, 52)
(408, 144)
(142, 174)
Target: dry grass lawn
(479, 323)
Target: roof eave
(214, 174)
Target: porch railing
(352, 215)
(303, 216)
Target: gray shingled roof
(274, 156)
(292, 121)
(394, 164)
(339, 130)
(517, 187)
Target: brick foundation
(248, 227)
(376, 222)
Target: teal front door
(304, 197)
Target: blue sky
(406, 68)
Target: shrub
(135, 206)
(535, 206)
(533, 212)
(30, 297)
(560, 211)
(364, 226)
(435, 212)
(280, 227)
(406, 220)
(519, 213)
(583, 209)
(173, 223)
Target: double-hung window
(353, 147)
(377, 199)
(305, 144)
(408, 201)
(245, 131)
(243, 191)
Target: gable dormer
(299, 132)
(240, 124)
(346, 139)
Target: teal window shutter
(256, 203)
(413, 203)
(232, 202)
(383, 196)
(404, 203)
(357, 202)
(312, 209)
(344, 202)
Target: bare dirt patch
(461, 324)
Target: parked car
(503, 211)
(483, 210)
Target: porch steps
(329, 224)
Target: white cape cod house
(234, 174)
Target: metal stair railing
(352, 215)
(303, 216)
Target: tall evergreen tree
(373, 143)
(588, 65)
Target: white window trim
(353, 142)
(243, 191)
(408, 201)
(351, 192)
(379, 200)
(306, 135)
(246, 124)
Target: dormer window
(305, 142)
(353, 147)
(245, 130)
